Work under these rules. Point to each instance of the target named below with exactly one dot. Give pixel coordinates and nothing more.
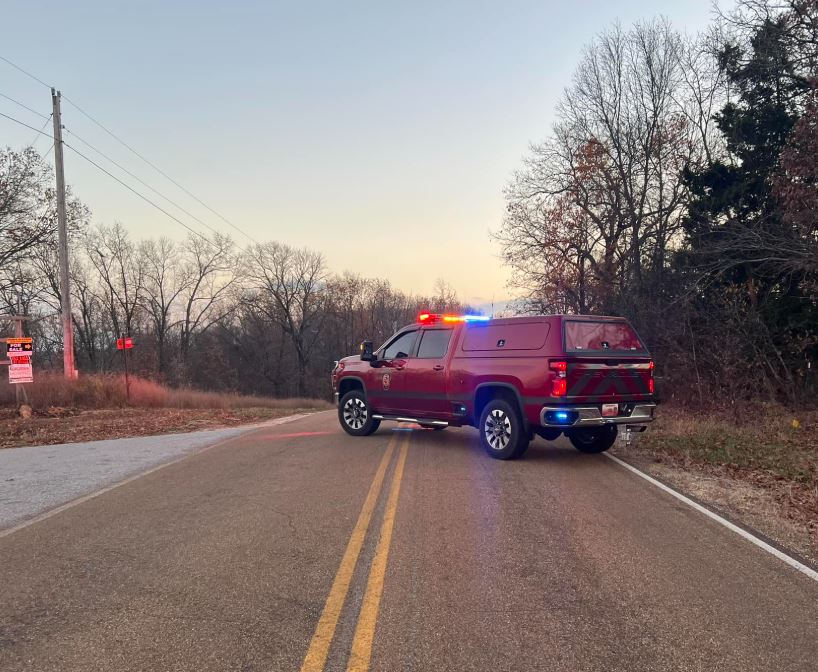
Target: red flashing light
(431, 318)
(562, 367)
(651, 366)
(559, 387)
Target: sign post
(19, 350)
(124, 344)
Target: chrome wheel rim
(497, 430)
(355, 413)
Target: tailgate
(592, 379)
(607, 361)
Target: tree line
(264, 319)
(679, 187)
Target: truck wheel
(502, 433)
(596, 440)
(355, 416)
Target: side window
(401, 345)
(434, 343)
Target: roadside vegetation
(96, 407)
(678, 187)
(766, 439)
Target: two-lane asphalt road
(298, 547)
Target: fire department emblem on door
(387, 381)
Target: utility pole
(65, 288)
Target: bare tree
(121, 274)
(607, 190)
(25, 215)
(445, 297)
(290, 289)
(209, 276)
(165, 282)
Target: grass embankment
(96, 407)
(758, 464)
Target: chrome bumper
(591, 416)
(335, 398)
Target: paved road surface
(298, 547)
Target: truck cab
(511, 378)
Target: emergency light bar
(431, 318)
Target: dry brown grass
(767, 438)
(108, 391)
(114, 423)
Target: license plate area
(610, 410)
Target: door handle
(438, 367)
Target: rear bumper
(335, 397)
(591, 416)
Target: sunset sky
(381, 134)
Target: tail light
(559, 385)
(560, 367)
(651, 385)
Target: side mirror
(367, 351)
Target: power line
(142, 196)
(141, 181)
(127, 186)
(158, 170)
(22, 123)
(39, 131)
(25, 72)
(25, 107)
(42, 128)
(132, 150)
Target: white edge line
(91, 495)
(772, 550)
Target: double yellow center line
(361, 651)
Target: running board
(400, 418)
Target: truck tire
(502, 432)
(355, 416)
(593, 440)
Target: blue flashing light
(476, 318)
(562, 416)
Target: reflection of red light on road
(296, 435)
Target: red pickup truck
(511, 378)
